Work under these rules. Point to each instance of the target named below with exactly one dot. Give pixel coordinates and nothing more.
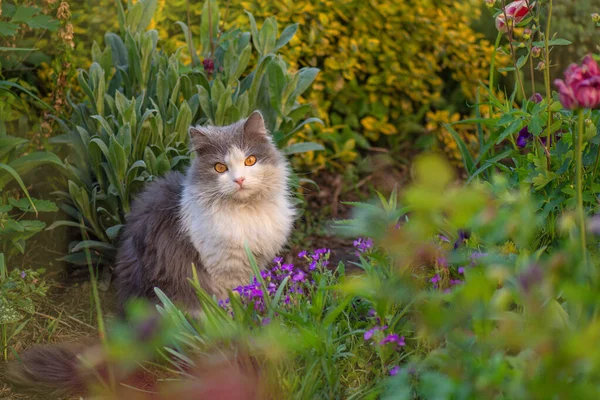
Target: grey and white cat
(234, 192)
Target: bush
(383, 67)
(140, 102)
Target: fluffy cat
(234, 192)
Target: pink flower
(581, 87)
(515, 12)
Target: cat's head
(237, 162)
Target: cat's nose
(239, 181)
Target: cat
(235, 192)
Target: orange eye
(220, 168)
(250, 161)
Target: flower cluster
(363, 245)
(253, 295)
(581, 87)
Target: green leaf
(209, 27)
(553, 42)
(296, 148)
(277, 83)
(8, 29)
(267, 35)
(43, 22)
(287, 35)
(113, 231)
(92, 244)
(33, 205)
(73, 224)
(254, 30)
(26, 163)
(462, 147)
(24, 13)
(8, 143)
(184, 120)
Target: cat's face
(238, 162)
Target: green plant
(19, 293)
(140, 102)
(531, 136)
(435, 313)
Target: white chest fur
(219, 233)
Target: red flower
(209, 65)
(515, 12)
(581, 87)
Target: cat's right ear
(198, 137)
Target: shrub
(140, 102)
(383, 67)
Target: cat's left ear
(254, 127)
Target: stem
(579, 190)
(4, 342)
(493, 63)
(514, 57)
(210, 31)
(547, 73)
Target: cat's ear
(254, 127)
(198, 137)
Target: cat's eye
(250, 161)
(220, 168)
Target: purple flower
(312, 266)
(536, 98)
(266, 321)
(278, 260)
(23, 274)
(463, 235)
(369, 334)
(455, 282)
(372, 313)
(581, 87)
(394, 371)
(461, 270)
(303, 254)
(299, 277)
(435, 279)
(530, 277)
(523, 138)
(391, 338)
(363, 244)
(444, 238)
(442, 261)
(287, 267)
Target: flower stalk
(579, 185)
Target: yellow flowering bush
(382, 62)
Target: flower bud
(536, 52)
(536, 98)
(527, 34)
(490, 3)
(541, 66)
(596, 17)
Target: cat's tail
(50, 370)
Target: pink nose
(239, 181)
